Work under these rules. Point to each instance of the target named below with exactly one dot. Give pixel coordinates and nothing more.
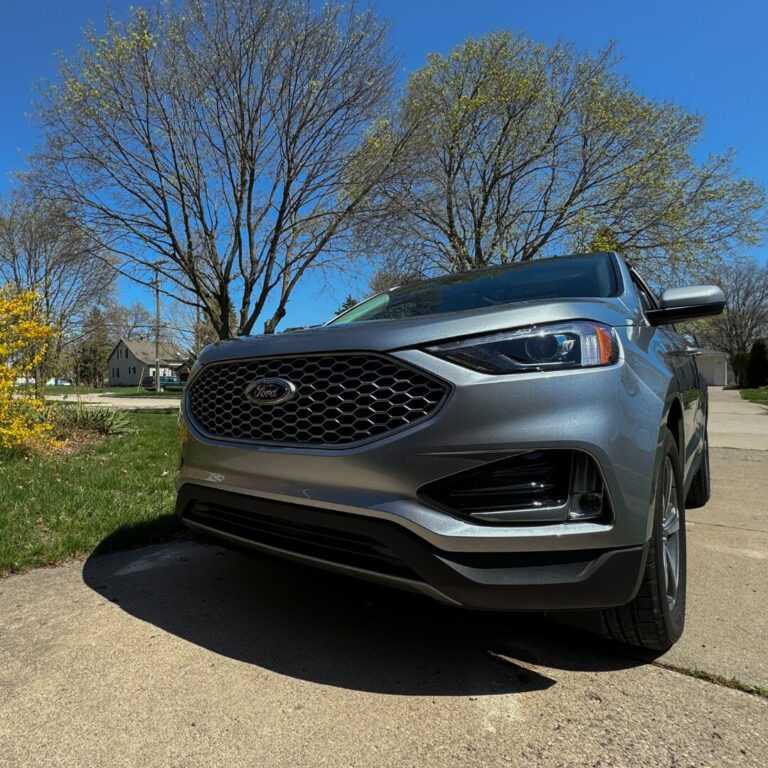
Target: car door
(679, 356)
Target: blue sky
(707, 55)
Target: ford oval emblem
(270, 391)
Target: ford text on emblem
(270, 391)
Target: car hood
(388, 335)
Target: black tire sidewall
(674, 620)
(707, 484)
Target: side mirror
(678, 304)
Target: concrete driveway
(190, 655)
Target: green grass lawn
(755, 395)
(114, 494)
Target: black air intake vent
(317, 541)
(534, 480)
(535, 486)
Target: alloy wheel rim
(670, 534)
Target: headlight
(579, 344)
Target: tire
(654, 620)
(698, 493)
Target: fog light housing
(587, 505)
(531, 487)
(587, 492)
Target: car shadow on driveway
(319, 627)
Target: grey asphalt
(191, 655)
(125, 401)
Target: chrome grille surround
(341, 399)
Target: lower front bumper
(383, 551)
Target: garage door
(713, 370)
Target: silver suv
(522, 437)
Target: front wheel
(655, 618)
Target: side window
(647, 299)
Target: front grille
(340, 399)
(317, 541)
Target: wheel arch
(674, 420)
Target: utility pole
(197, 331)
(157, 327)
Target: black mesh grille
(339, 399)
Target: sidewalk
(736, 423)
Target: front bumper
(607, 413)
(372, 489)
(384, 552)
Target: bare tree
(387, 277)
(745, 320)
(519, 150)
(44, 249)
(130, 322)
(219, 142)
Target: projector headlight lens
(579, 344)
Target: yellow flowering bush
(23, 339)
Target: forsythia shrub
(23, 341)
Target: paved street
(190, 655)
(123, 401)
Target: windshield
(569, 277)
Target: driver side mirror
(678, 304)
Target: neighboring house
(131, 361)
(713, 366)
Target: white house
(131, 361)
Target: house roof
(144, 351)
